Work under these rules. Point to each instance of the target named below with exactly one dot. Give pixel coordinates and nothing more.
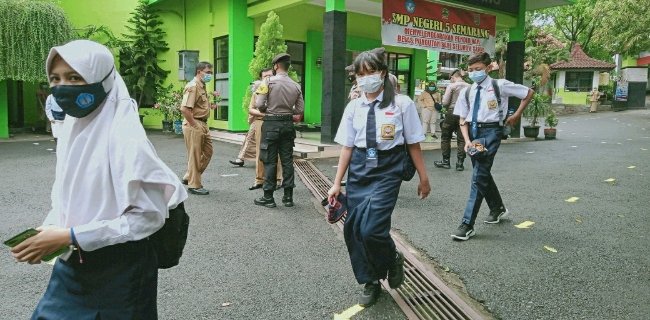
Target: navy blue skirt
(115, 282)
(371, 197)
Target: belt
(395, 149)
(278, 117)
(488, 125)
(202, 120)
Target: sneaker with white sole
(495, 216)
(464, 232)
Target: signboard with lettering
(508, 6)
(425, 25)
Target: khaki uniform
(593, 98)
(280, 99)
(197, 138)
(426, 102)
(256, 137)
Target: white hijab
(105, 158)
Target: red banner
(426, 25)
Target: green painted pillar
(240, 53)
(515, 58)
(335, 5)
(4, 110)
(334, 95)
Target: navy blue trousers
(115, 282)
(371, 197)
(483, 185)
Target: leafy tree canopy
(28, 30)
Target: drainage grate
(422, 295)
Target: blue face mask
(432, 88)
(207, 78)
(477, 76)
(79, 101)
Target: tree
(26, 37)
(625, 27)
(574, 23)
(139, 54)
(269, 44)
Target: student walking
(111, 192)
(482, 119)
(373, 132)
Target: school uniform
(373, 185)
(489, 114)
(113, 191)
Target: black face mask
(80, 101)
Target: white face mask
(370, 83)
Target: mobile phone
(15, 240)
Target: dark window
(579, 81)
(400, 65)
(449, 60)
(221, 55)
(221, 76)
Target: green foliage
(269, 44)
(28, 29)
(139, 54)
(539, 107)
(625, 27)
(551, 120)
(168, 101)
(101, 34)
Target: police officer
(279, 98)
(451, 124)
(196, 109)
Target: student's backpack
(497, 94)
(170, 240)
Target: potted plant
(551, 122)
(168, 101)
(539, 106)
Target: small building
(576, 77)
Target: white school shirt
(51, 105)
(489, 108)
(394, 123)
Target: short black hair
(259, 75)
(482, 57)
(456, 71)
(202, 65)
(284, 64)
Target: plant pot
(178, 126)
(167, 126)
(549, 133)
(531, 132)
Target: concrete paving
(241, 261)
(601, 269)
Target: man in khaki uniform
(279, 98)
(594, 96)
(196, 109)
(427, 101)
(257, 121)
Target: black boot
(267, 200)
(287, 199)
(459, 164)
(442, 164)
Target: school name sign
(425, 25)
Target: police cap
(282, 57)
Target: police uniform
(489, 126)
(451, 125)
(372, 189)
(197, 137)
(280, 100)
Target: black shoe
(442, 164)
(287, 201)
(184, 181)
(199, 191)
(237, 163)
(495, 216)
(464, 232)
(266, 202)
(396, 271)
(255, 186)
(460, 166)
(370, 294)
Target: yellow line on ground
(347, 314)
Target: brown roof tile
(580, 60)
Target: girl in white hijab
(110, 194)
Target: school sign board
(432, 26)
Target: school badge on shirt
(492, 104)
(387, 131)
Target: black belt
(488, 125)
(202, 120)
(395, 149)
(278, 117)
